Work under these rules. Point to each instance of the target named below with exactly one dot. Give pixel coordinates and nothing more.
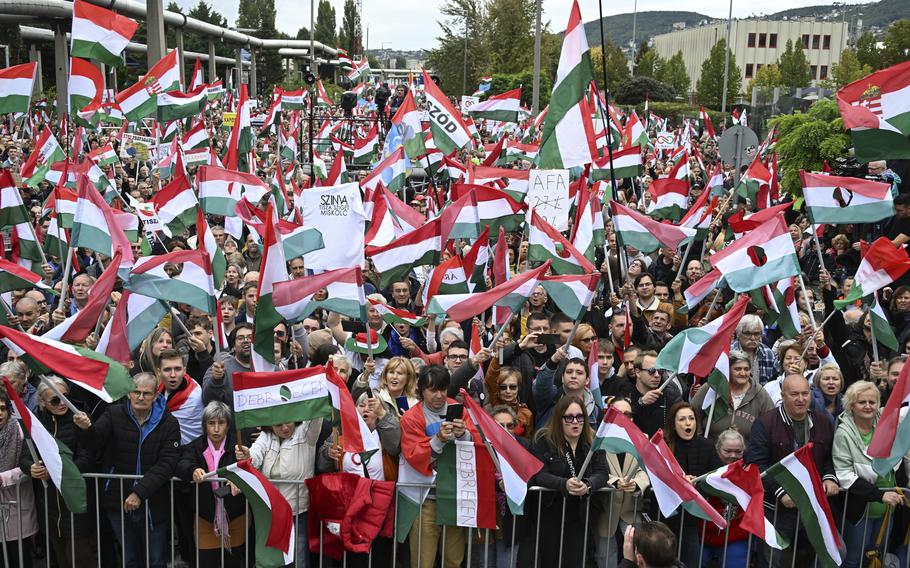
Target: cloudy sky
(411, 24)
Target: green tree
(674, 74)
(448, 57)
(617, 66)
(847, 70)
(350, 34)
(650, 64)
(303, 33)
(794, 67)
(511, 33)
(807, 140)
(710, 85)
(325, 23)
(897, 43)
(506, 82)
(256, 14)
(634, 90)
(867, 51)
(766, 80)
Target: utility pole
(535, 93)
(723, 99)
(464, 73)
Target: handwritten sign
(548, 194)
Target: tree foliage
(710, 85)
(448, 57)
(867, 51)
(325, 23)
(897, 43)
(350, 34)
(847, 70)
(766, 80)
(617, 66)
(200, 44)
(648, 63)
(794, 67)
(633, 91)
(511, 33)
(807, 140)
(673, 73)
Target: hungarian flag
(176, 204)
(407, 120)
(297, 240)
(516, 181)
(836, 199)
(461, 218)
(16, 85)
(365, 148)
(56, 457)
(78, 326)
(763, 256)
(141, 99)
(626, 163)
(449, 132)
(196, 137)
(99, 33)
(876, 110)
(356, 434)
(584, 238)
(103, 377)
(192, 285)
(511, 294)
(447, 278)
(295, 299)
(177, 105)
(572, 294)
(881, 327)
(634, 133)
(293, 100)
(465, 487)
(419, 247)
(12, 209)
(517, 151)
(706, 119)
(704, 352)
(196, 78)
(220, 189)
(882, 264)
(47, 151)
(546, 243)
(891, 439)
(273, 270)
(240, 143)
(85, 85)
(104, 156)
(515, 464)
(504, 107)
(669, 198)
(755, 184)
(742, 486)
(135, 317)
(798, 477)
(391, 172)
(394, 315)
(567, 139)
(495, 208)
(275, 533)
(322, 98)
(205, 241)
(617, 434)
(95, 226)
(14, 277)
(295, 395)
(644, 233)
(740, 223)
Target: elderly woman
(869, 496)
(728, 547)
(219, 517)
(67, 539)
(15, 490)
(17, 373)
(397, 386)
(748, 400)
(287, 452)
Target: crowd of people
(151, 451)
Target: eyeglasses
(143, 394)
(456, 357)
(56, 401)
(570, 418)
(588, 339)
(651, 371)
(508, 426)
(281, 334)
(508, 387)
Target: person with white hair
(749, 341)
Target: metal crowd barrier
(474, 555)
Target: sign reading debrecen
(548, 194)
(336, 212)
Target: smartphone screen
(454, 412)
(402, 403)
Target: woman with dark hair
(562, 445)
(899, 309)
(19, 520)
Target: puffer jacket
(853, 467)
(151, 451)
(292, 459)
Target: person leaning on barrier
(136, 437)
(217, 515)
(728, 546)
(651, 545)
(868, 494)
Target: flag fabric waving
(876, 110)
(836, 199)
(99, 33)
(882, 264)
(295, 395)
(763, 256)
(891, 439)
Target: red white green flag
(644, 233)
(763, 256)
(356, 434)
(99, 33)
(78, 326)
(296, 299)
(16, 84)
(836, 199)
(876, 110)
(274, 270)
(295, 395)
(450, 133)
(891, 438)
(192, 285)
(882, 264)
(511, 294)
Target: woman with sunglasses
(503, 385)
(562, 445)
(66, 539)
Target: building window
(816, 41)
(826, 42)
(762, 40)
(772, 41)
(751, 39)
(805, 41)
(748, 70)
(813, 71)
(823, 72)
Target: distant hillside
(618, 28)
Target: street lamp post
(723, 99)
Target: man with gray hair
(749, 341)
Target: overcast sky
(411, 24)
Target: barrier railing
(478, 542)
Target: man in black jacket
(775, 435)
(138, 437)
(650, 403)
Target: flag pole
(50, 384)
(818, 249)
(822, 325)
(874, 341)
(584, 465)
(685, 258)
(38, 244)
(710, 415)
(809, 307)
(603, 62)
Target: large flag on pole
(763, 256)
(16, 84)
(274, 270)
(876, 110)
(891, 439)
(644, 233)
(882, 264)
(836, 199)
(99, 33)
(449, 132)
(510, 294)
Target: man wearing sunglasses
(649, 401)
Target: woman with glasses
(584, 339)
(22, 501)
(562, 445)
(869, 495)
(511, 528)
(748, 401)
(70, 536)
(503, 385)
